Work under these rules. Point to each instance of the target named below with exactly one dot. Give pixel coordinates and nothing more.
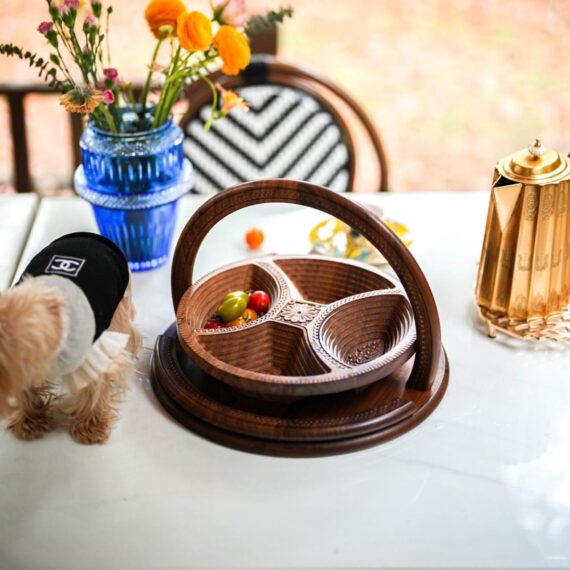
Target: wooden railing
(16, 96)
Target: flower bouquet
(133, 169)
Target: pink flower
(108, 97)
(233, 12)
(63, 9)
(72, 3)
(91, 20)
(45, 27)
(111, 73)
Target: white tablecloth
(16, 217)
(484, 482)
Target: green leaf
(51, 37)
(47, 73)
(260, 23)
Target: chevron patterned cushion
(285, 134)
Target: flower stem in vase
(148, 81)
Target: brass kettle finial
(536, 149)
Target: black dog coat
(95, 264)
(90, 275)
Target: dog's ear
(30, 331)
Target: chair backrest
(299, 126)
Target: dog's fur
(30, 333)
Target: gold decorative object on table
(523, 285)
(336, 239)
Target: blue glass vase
(133, 182)
(132, 163)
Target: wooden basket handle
(428, 345)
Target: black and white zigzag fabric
(285, 134)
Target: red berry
(259, 302)
(213, 324)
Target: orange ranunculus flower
(233, 48)
(160, 13)
(194, 31)
(231, 100)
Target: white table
(484, 482)
(16, 217)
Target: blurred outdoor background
(452, 85)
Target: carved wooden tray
(310, 427)
(347, 356)
(333, 325)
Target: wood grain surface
(314, 426)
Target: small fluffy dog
(67, 334)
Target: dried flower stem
(108, 117)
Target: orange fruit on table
(254, 238)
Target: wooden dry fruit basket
(345, 357)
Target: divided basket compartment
(332, 326)
(346, 356)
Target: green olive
(232, 306)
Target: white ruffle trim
(103, 351)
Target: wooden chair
(299, 126)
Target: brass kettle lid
(535, 165)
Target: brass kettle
(523, 284)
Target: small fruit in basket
(232, 306)
(249, 315)
(213, 324)
(254, 238)
(236, 322)
(259, 302)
